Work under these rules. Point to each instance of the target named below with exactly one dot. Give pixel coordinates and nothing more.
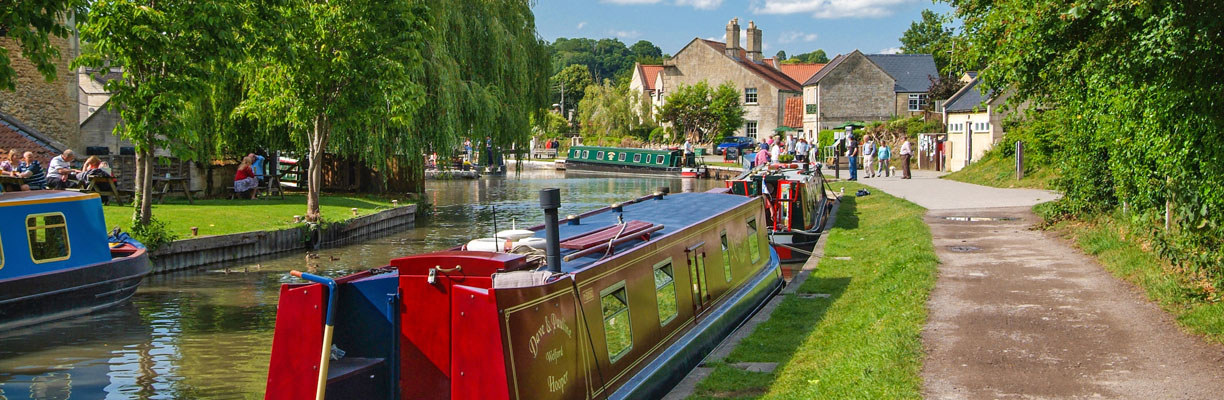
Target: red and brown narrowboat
(796, 206)
(616, 303)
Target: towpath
(1019, 313)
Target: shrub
(153, 235)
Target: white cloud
(831, 8)
(625, 34)
(700, 4)
(891, 50)
(582, 25)
(795, 36)
(623, 2)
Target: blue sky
(796, 26)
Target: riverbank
(852, 329)
(222, 216)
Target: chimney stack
(733, 46)
(753, 47)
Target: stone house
(860, 87)
(974, 122)
(97, 121)
(763, 88)
(47, 108)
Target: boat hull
(69, 292)
(786, 243)
(624, 169)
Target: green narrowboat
(617, 159)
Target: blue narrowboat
(56, 260)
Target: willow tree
(166, 48)
(486, 73)
(339, 74)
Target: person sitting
(94, 167)
(257, 165)
(245, 181)
(7, 168)
(60, 174)
(33, 173)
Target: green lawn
(862, 341)
(1124, 253)
(221, 216)
(1000, 171)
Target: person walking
(801, 150)
(883, 155)
(906, 152)
(762, 157)
(852, 153)
(869, 153)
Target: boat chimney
(550, 201)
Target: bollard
(1019, 160)
(394, 203)
(354, 210)
(195, 231)
(297, 219)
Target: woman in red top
(245, 181)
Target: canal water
(207, 333)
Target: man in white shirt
(59, 171)
(906, 152)
(869, 153)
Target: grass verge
(864, 339)
(222, 216)
(998, 170)
(1127, 255)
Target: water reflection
(207, 334)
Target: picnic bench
(96, 184)
(11, 183)
(168, 182)
(544, 153)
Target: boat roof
(674, 212)
(42, 196)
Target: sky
(795, 26)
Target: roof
(913, 72)
(649, 74)
(800, 72)
(761, 69)
(966, 99)
(793, 113)
(15, 135)
(832, 65)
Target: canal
(207, 333)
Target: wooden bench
(544, 153)
(96, 182)
(602, 236)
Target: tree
(574, 80)
(646, 53)
(167, 49)
(929, 36)
(608, 111)
(815, 57)
(1135, 82)
(30, 24)
(332, 71)
(780, 56)
(604, 58)
(703, 113)
(942, 88)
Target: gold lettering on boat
(558, 383)
(551, 322)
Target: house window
(637, 158)
(726, 253)
(665, 291)
(750, 129)
(811, 108)
(618, 336)
(917, 102)
(981, 126)
(750, 95)
(754, 244)
(48, 237)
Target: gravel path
(1019, 313)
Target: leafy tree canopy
(929, 36)
(30, 24)
(574, 79)
(704, 113)
(815, 57)
(780, 55)
(608, 110)
(604, 58)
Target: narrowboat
(638, 161)
(56, 260)
(796, 206)
(616, 303)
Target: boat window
(665, 291)
(48, 237)
(726, 253)
(754, 244)
(637, 158)
(618, 336)
(599, 155)
(659, 159)
(622, 157)
(586, 153)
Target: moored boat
(621, 303)
(56, 261)
(796, 206)
(638, 161)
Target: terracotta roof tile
(801, 72)
(793, 113)
(649, 75)
(774, 76)
(13, 137)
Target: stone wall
(698, 61)
(48, 107)
(98, 131)
(856, 90)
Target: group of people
(771, 150)
(59, 173)
(250, 176)
(876, 157)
